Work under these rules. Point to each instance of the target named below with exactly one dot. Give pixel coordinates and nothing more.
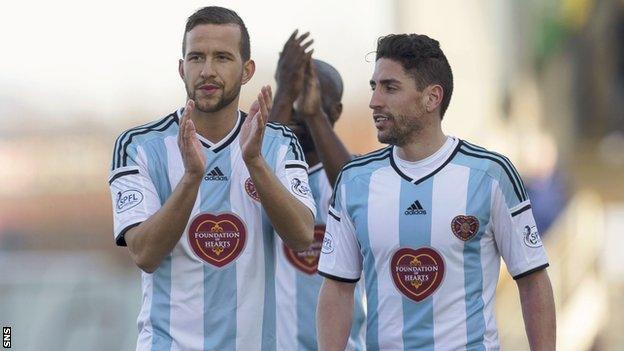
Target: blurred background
(541, 81)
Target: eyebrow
(386, 82)
(224, 53)
(197, 53)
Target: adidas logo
(215, 174)
(415, 209)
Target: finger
(264, 111)
(255, 107)
(188, 108)
(302, 38)
(181, 133)
(293, 36)
(266, 95)
(307, 44)
(186, 116)
(307, 57)
(312, 69)
(270, 92)
(190, 130)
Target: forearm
(282, 107)
(334, 315)
(538, 310)
(331, 150)
(292, 220)
(155, 238)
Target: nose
(207, 70)
(376, 101)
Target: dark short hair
(421, 57)
(218, 15)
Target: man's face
(397, 104)
(213, 70)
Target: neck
(214, 126)
(312, 158)
(424, 144)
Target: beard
(402, 130)
(224, 99)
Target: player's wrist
(255, 163)
(192, 178)
(286, 93)
(313, 116)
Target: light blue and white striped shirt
(216, 289)
(298, 283)
(429, 244)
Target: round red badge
(417, 273)
(307, 260)
(217, 239)
(250, 188)
(465, 227)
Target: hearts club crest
(307, 260)
(217, 239)
(250, 188)
(465, 227)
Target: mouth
(381, 120)
(209, 88)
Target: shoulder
(278, 131)
(277, 135)
(365, 164)
(131, 138)
(495, 165)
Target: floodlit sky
(113, 56)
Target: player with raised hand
(199, 194)
(309, 103)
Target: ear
(334, 112)
(181, 68)
(249, 68)
(433, 97)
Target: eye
(391, 88)
(223, 58)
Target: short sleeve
(340, 259)
(292, 171)
(517, 236)
(133, 194)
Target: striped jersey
(428, 237)
(216, 289)
(298, 284)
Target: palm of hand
(193, 157)
(248, 131)
(252, 130)
(309, 102)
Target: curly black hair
(421, 57)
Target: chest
(449, 212)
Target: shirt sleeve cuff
(530, 271)
(120, 239)
(340, 279)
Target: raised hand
(291, 65)
(193, 157)
(252, 130)
(309, 101)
